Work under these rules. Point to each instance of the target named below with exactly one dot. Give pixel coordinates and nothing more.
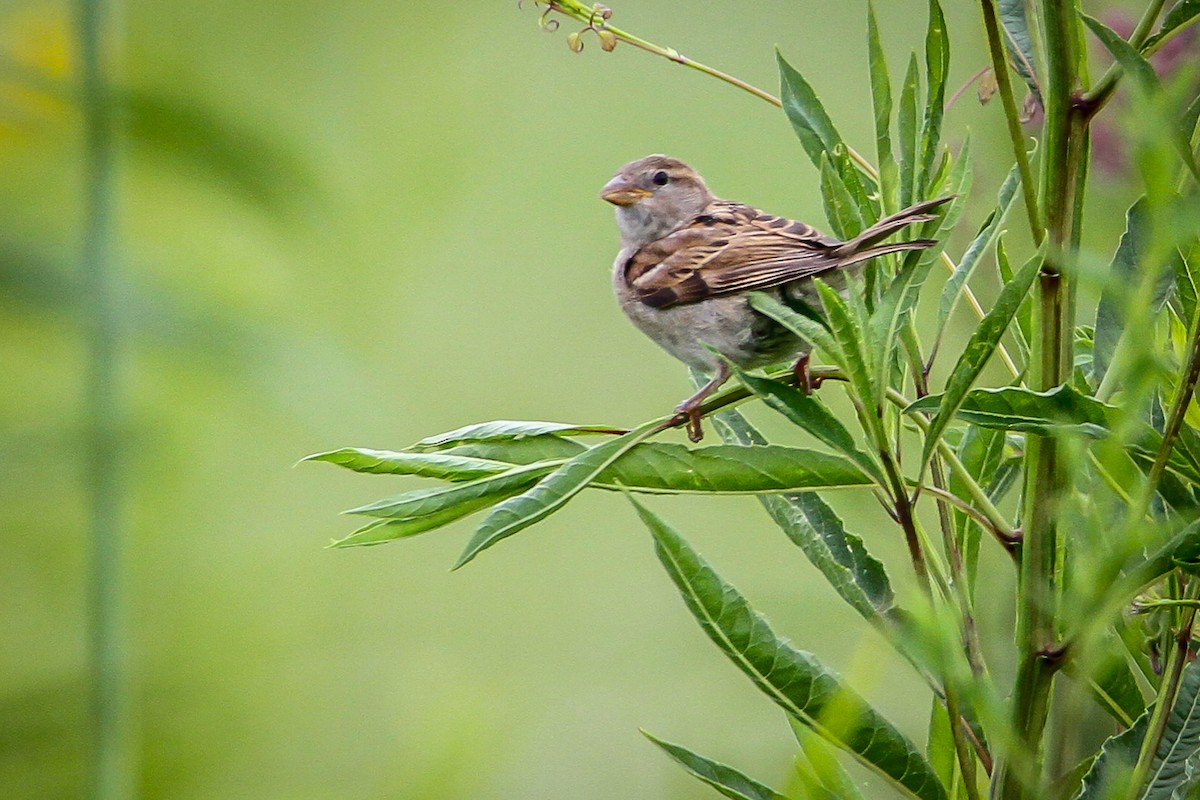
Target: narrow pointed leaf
(730, 469)
(507, 429)
(811, 122)
(937, 65)
(793, 679)
(857, 576)
(808, 412)
(1112, 683)
(881, 101)
(978, 350)
(857, 362)
(1144, 76)
(905, 289)
(1182, 13)
(389, 530)
(551, 493)
(1128, 259)
(428, 465)
(725, 779)
(823, 760)
(1019, 43)
(841, 210)
(1176, 757)
(983, 240)
(422, 502)
(1013, 408)
(520, 451)
(906, 130)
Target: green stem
(112, 752)
(1152, 605)
(1020, 774)
(589, 17)
(1012, 117)
(1167, 691)
(997, 525)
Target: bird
(689, 260)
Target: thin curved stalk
(1012, 118)
(112, 751)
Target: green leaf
(937, 64)
(1144, 76)
(840, 208)
(1111, 771)
(812, 124)
(730, 469)
(1112, 683)
(987, 235)
(1019, 43)
(881, 101)
(808, 412)
(428, 465)
(1182, 13)
(978, 350)
(791, 678)
(904, 291)
(1060, 410)
(726, 780)
(939, 747)
(806, 328)
(856, 360)
(1187, 285)
(551, 493)
(1175, 762)
(423, 502)
(857, 576)
(389, 530)
(823, 760)
(520, 451)
(501, 430)
(1127, 261)
(907, 131)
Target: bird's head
(654, 196)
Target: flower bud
(608, 40)
(575, 42)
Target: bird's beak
(621, 192)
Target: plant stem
(1167, 691)
(112, 752)
(1019, 775)
(589, 17)
(997, 525)
(1012, 117)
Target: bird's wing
(728, 248)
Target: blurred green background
(360, 224)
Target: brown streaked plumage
(688, 261)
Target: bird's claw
(691, 418)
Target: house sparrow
(689, 261)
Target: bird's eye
(660, 178)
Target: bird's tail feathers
(883, 250)
(861, 247)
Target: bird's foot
(689, 416)
(805, 380)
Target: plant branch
(596, 19)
